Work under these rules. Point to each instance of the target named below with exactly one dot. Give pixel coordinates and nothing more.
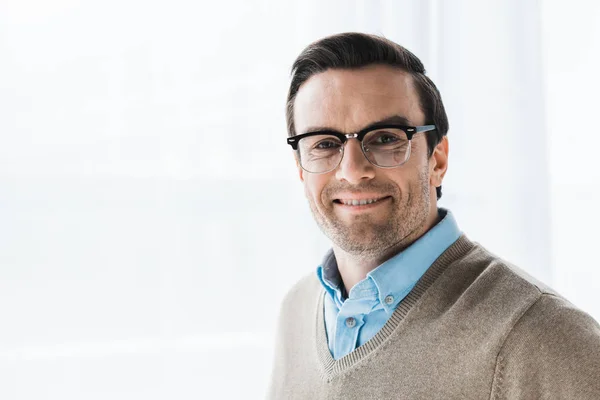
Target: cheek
(403, 184)
(407, 178)
(418, 161)
(314, 186)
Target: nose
(354, 166)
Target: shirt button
(350, 322)
(388, 299)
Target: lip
(364, 207)
(359, 196)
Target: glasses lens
(320, 153)
(387, 147)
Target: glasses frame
(409, 130)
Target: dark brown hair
(355, 50)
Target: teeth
(358, 202)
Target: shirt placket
(347, 329)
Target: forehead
(348, 100)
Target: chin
(360, 241)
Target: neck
(354, 268)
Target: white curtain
(151, 215)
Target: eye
(386, 138)
(327, 144)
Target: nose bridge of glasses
(354, 164)
(350, 151)
(351, 136)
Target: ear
(300, 170)
(439, 163)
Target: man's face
(348, 101)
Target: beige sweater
(474, 327)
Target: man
(405, 305)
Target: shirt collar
(330, 278)
(397, 276)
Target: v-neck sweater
(473, 327)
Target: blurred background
(151, 218)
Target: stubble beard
(363, 237)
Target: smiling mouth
(361, 202)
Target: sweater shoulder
(306, 288)
(535, 307)
(548, 347)
(509, 272)
(488, 290)
(557, 326)
(493, 278)
(301, 298)
(552, 351)
(564, 319)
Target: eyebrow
(394, 119)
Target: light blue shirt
(351, 322)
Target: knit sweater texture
(474, 327)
